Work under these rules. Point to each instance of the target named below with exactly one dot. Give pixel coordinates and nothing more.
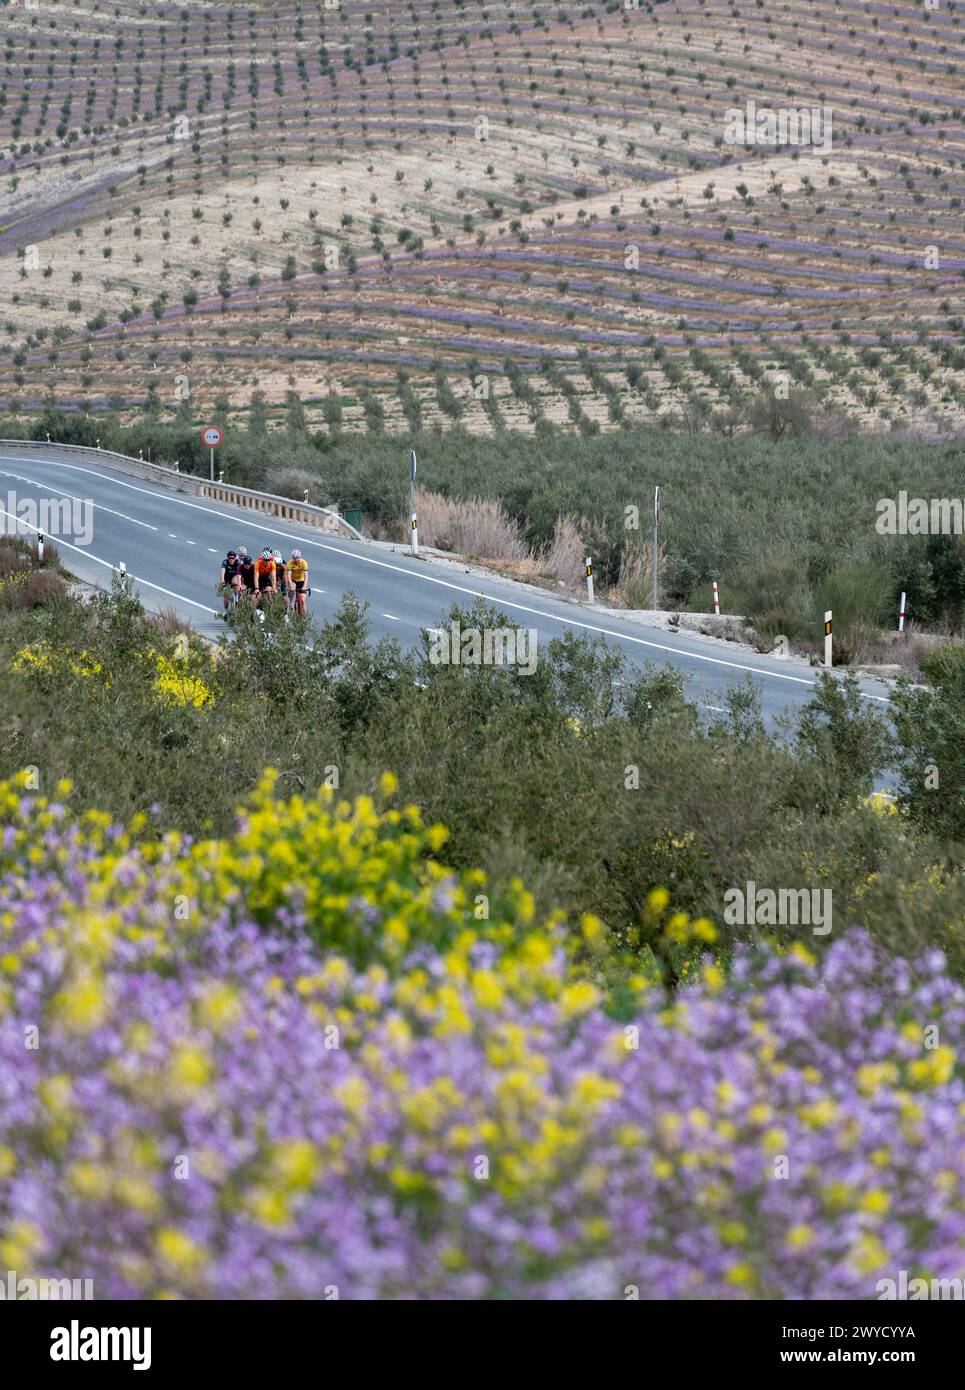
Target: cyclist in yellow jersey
(297, 573)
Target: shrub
(468, 1120)
(930, 755)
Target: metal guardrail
(284, 508)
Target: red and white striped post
(901, 614)
(716, 600)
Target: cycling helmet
(266, 553)
(242, 552)
(296, 554)
(276, 554)
(232, 554)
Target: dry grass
(30, 589)
(565, 556)
(167, 622)
(479, 528)
(12, 561)
(634, 589)
(904, 649)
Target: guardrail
(284, 508)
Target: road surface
(172, 546)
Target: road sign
(211, 436)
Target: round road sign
(211, 436)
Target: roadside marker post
(656, 523)
(827, 638)
(716, 600)
(40, 546)
(412, 516)
(901, 613)
(589, 578)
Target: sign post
(901, 614)
(827, 638)
(211, 436)
(656, 523)
(413, 521)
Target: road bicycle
(297, 602)
(234, 594)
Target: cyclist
(246, 567)
(280, 574)
(265, 585)
(230, 577)
(297, 573)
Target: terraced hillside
(487, 212)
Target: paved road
(173, 546)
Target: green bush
(590, 779)
(930, 755)
(779, 523)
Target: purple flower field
(197, 1101)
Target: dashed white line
(205, 608)
(74, 498)
(764, 673)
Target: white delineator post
(716, 600)
(827, 638)
(901, 614)
(656, 524)
(413, 464)
(589, 579)
(40, 546)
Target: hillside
(490, 214)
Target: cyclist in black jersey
(247, 570)
(230, 576)
(281, 577)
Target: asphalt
(172, 546)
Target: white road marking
(392, 616)
(96, 505)
(159, 495)
(205, 608)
